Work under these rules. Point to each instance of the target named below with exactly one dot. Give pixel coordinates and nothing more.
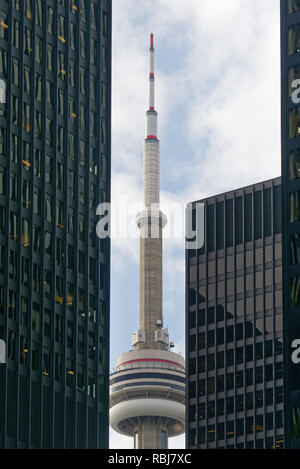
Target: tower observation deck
(147, 392)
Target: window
(58, 329)
(294, 123)
(28, 9)
(27, 81)
(81, 190)
(38, 50)
(296, 423)
(35, 354)
(15, 110)
(37, 201)
(72, 73)
(25, 233)
(15, 72)
(36, 278)
(38, 125)
(16, 34)
(49, 93)
(295, 292)
(3, 25)
(49, 132)
(72, 35)
(238, 220)
(293, 6)
(39, 13)
(70, 372)
(38, 87)
(24, 311)
(50, 27)
(3, 136)
(26, 118)
(11, 349)
(71, 146)
(104, 59)
(93, 51)
(48, 284)
(71, 225)
(71, 183)
(48, 245)
(12, 309)
(82, 44)
(104, 24)
(72, 110)
(70, 296)
(60, 252)
(61, 65)
(82, 153)
(104, 105)
(59, 290)
(13, 231)
(2, 219)
(82, 81)
(82, 117)
(36, 318)
(50, 53)
(47, 323)
(36, 239)
(93, 89)
(24, 271)
(61, 29)
(295, 207)
(3, 180)
(60, 214)
(61, 106)
(294, 40)
(48, 203)
(3, 63)
(48, 169)
(93, 124)
(60, 176)
(93, 15)
(83, 10)
(27, 42)
(46, 362)
(248, 217)
(220, 225)
(81, 228)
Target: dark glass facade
(234, 330)
(55, 57)
(290, 73)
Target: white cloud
(218, 97)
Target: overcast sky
(218, 102)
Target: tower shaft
(151, 221)
(147, 391)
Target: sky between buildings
(218, 102)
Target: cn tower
(147, 391)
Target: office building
(234, 325)
(55, 59)
(290, 113)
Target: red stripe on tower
(151, 40)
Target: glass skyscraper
(234, 327)
(55, 60)
(290, 73)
